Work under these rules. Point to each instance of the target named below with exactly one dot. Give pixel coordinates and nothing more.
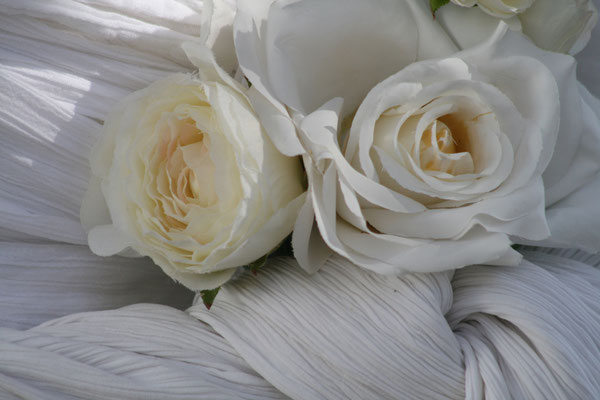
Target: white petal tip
(106, 240)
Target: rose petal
(310, 251)
(469, 27)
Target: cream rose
(190, 179)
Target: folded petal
(523, 214)
(310, 250)
(574, 220)
(572, 212)
(560, 25)
(469, 27)
(584, 164)
(217, 33)
(303, 53)
(314, 48)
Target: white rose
(443, 163)
(299, 55)
(190, 179)
(303, 53)
(563, 26)
(497, 8)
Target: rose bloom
(563, 26)
(443, 164)
(189, 178)
(497, 8)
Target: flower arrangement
(420, 153)
(349, 188)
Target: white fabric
(527, 332)
(138, 352)
(62, 67)
(39, 282)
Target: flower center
(184, 171)
(189, 165)
(436, 138)
(442, 147)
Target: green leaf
(208, 297)
(256, 265)
(436, 4)
(282, 249)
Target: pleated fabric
(63, 65)
(40, 282)
(139, 352)
(527, 332)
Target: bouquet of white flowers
(421, 154)
(362, 179)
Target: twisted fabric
(527, 332)
(138, 352)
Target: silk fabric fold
(491, 332)
(526, 332)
